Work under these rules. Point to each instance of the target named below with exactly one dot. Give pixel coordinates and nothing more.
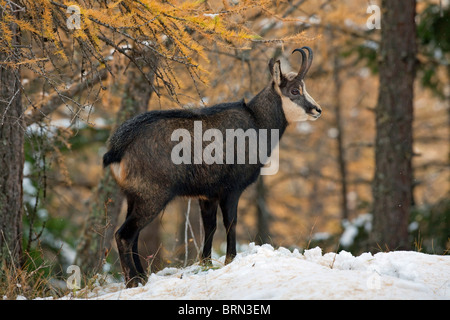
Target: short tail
(124, 135)
(110, 157)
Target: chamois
(140, 153)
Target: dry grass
(29, 282)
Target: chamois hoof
(206, 262)
(134, 282)
(228, 259)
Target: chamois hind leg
(137, 261)
(143, 212)
(229, 205)
(209, 217)
(125, 238)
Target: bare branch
(58, 98)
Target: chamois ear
(275, 71)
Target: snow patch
(262, 272)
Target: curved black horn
(304, 64)
(310, 58)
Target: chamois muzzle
(316, 112)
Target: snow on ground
(262, 272)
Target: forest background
(73, 70)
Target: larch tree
(394, 117)
(11, 142)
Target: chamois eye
(295, 92)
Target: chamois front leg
(209, 217)
(229, 206)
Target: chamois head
(297, 104)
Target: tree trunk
(342, 162)
(11, 156)
(394, 115)
(99, 230)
